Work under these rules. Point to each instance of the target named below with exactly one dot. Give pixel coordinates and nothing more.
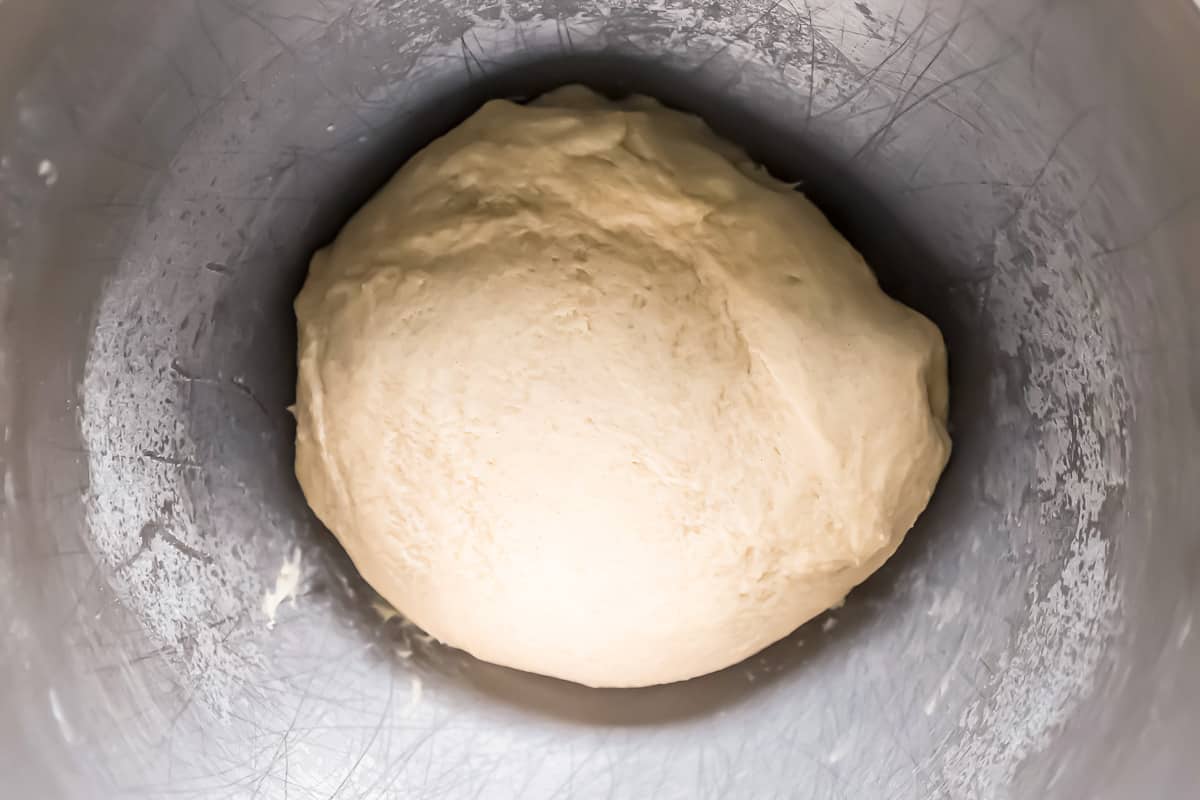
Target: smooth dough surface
(585, 392)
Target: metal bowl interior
(1024, 173)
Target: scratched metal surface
(1023, 171)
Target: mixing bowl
(177, 624)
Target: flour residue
(287, 582)
(1051, 667)
(1052, 320)
(47, 171)
(56, 711)
(189, 585)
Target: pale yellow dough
(585, 392)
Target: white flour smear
(1051, 317)
(190, 587)
(287, 582)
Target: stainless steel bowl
(175, 622)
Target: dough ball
(585, 392)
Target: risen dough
(583, 391)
